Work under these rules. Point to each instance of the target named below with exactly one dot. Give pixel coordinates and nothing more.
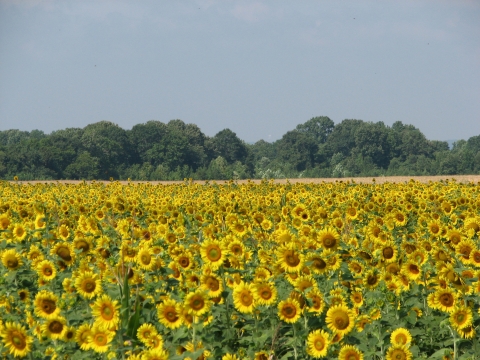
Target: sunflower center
(146, 258)
(214, 254)
(19, 340)
(414, 269)
(372, 279)
(197, 303)
(319, 344)
(341, 321)
(55, 327)
(171, 315)
(266, 294)
(447, 299)
(89, 286)
(319, 264)
(289, 311)
(100, 339)
(329, 241)
(401, 339)
(107, 313)
(184, 262)
(48, 306)
(292, 259)
(460, 318)
(82, 245)
(246, 299)
(47, 271)
(12, 263)
(213, 284)
(388, 253)
(64, 253)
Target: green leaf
(440, 353)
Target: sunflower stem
(454, 343)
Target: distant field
(365, 180)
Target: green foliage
(176, 150)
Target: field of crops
(230, 271)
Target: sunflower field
(240, 271)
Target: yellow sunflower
(445, 300)
(212, 284)
(289, 310)
(45, 304)
(55, 328)
(11, 259)
(64, 251)
(329, 238)
(145, 332)
(244, 298)
(82, 336)
(106, 312)
(169, 314)
(317, 343)
(398, 353)
(197, 303)
(290, 259)
(145, 258)
(16, 339)
(265, 293)
(316, 302)
(100, 339)
(19, 232)
(400, 337)
(213, 253)
(340, 319)
(461, 317)
(350, 352)
(46, 270)
(88, 284)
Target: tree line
(176, 150)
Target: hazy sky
(256, 67)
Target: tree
(297, 149)
(227, 145)
(319, 128)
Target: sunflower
(100, 339)
(145, 332)
(289, 310)
(213, 253)
(350, 352)
(329, 238)
(412, 270)
(244, 297)
(463, 250)
(64, 251)
(399, 218)
(106, 312)
(445, 300)
(340, 319)
(197, 303)
(155, 354)
(16, 339)
(461, 317)
(185, 261)
(467, 332)
(46, 270)
(63, 232)
(265, 293)
(19, 232)
(356, 298)
(400, 337)
(315, 297)
(318, 264)
(11, 259)
(356, 268)
(169, 314)
(371, 279)
(289, 259)
(212, 284)
(145, 258)
(55, 328)
(82, 336)
(45, 304)
(88, 284)
(389, 252)
(398, 353)
(317, 343)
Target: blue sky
(256, 67)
